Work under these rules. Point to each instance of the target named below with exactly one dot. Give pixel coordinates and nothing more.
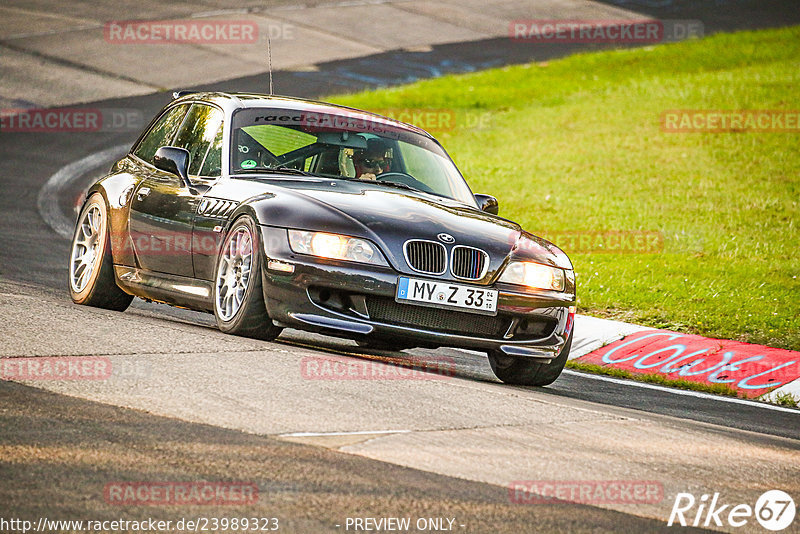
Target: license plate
(446, 295)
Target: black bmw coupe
(275, 212)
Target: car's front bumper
(357, 301)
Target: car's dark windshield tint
(162, 133)
(352, 146)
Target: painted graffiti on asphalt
(751, 369)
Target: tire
(91, 266)
(527, 372)
(238, 295)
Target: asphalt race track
(418, 446)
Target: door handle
(143, 192)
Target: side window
(198, 132)
(161, 133)
(212, 166)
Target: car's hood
(390, 217)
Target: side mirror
(488, 204)
(173, 160)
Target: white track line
(354, 433)
(51, 191)
(684, 392)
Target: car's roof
(233, 101)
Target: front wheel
(238, 296)
(527, 372)
(91, 266)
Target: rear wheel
(91, 266)
(527, 372)
(238, 296)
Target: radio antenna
(269, 54)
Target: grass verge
(576, 146)
(786, 399)
(652, 378)
(781, 399)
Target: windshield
(350, 146)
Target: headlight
(335, 246)
(534, 275)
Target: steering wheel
(405, 178)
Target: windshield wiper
(399, 185)
(280, 169)
(289, 170)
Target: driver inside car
(376, 159)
